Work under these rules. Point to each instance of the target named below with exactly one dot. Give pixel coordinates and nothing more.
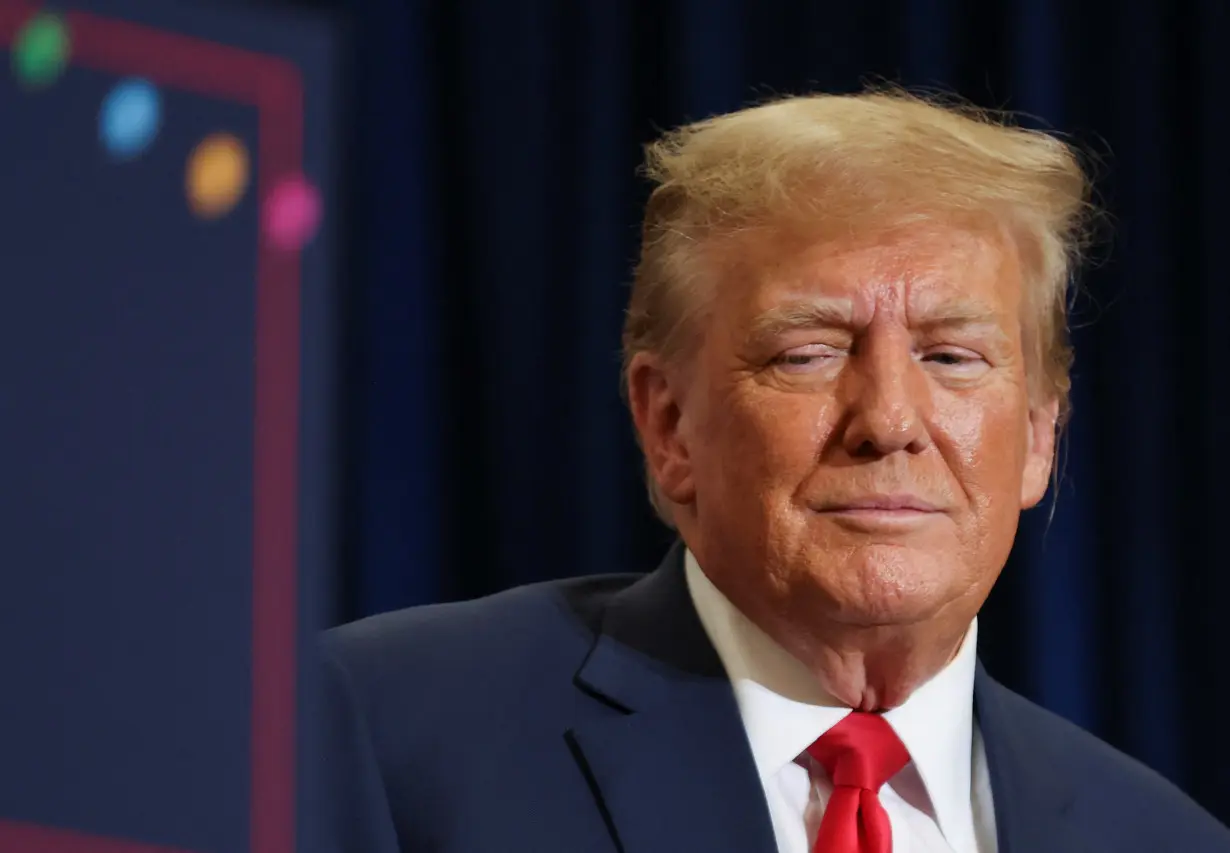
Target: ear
(654, 396)
(1039, 453)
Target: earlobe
(1039, 453)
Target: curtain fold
(496, 223)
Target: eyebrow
(839, 313)
(809, 314)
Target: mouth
(882, 504)
(877, 512)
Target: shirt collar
(784, 709)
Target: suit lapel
(1033, 799)
(671, 768)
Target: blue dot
(130, 118)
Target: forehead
(909, 273)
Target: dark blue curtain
(495, 212)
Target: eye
(797, 359)
(803, 359)
(952, 358)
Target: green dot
(41, 51)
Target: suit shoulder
(412, 679)
(483, 631)
(1137, 799)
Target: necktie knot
(862, 751)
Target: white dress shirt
(940, 803)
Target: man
(846, 361)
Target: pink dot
(292, 213)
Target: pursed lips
(889, 503)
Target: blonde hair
(840, 164)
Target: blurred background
(465, 225)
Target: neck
(873, 668)
(866, 666)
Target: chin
(885, 613)
(886, 585)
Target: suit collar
(649, 636)
(1034, 798)
(672, 768)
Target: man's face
(854, 436)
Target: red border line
(19, 837)
(274, 86)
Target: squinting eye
(950, 359)
(801, 360)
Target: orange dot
(217, 175)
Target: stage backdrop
(166, 390)
(500, 142)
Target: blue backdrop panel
(165, 402)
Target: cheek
(766, 437)
(985, 445)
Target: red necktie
(860, 753)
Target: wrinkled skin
(831, 375)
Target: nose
(888, 397)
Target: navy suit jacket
(593, 714)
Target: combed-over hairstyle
(842, 164)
